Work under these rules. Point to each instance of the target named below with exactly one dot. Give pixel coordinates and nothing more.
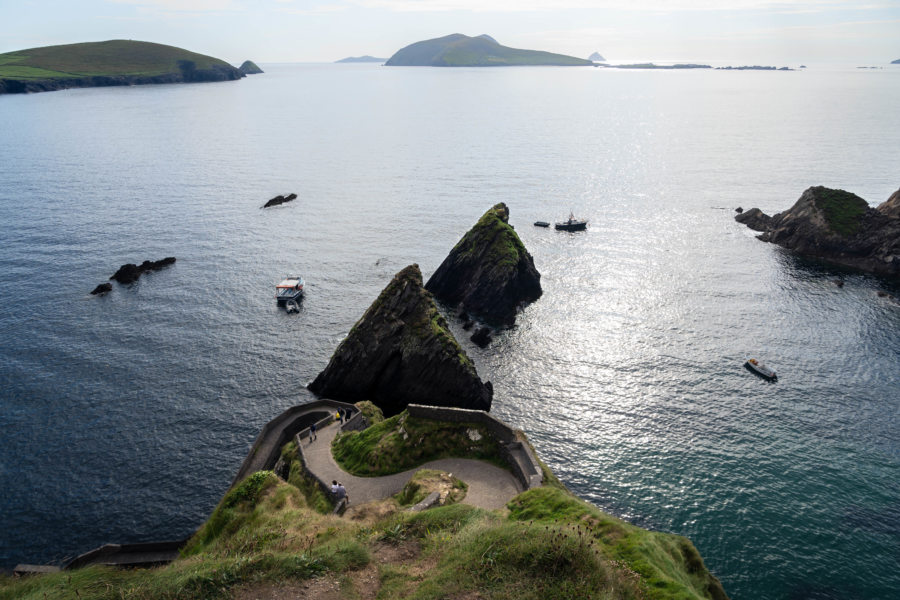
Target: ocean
(125, 417)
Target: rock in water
(280, 200)
(249, 68)
(102, 289)
(402, 352)
(489, 272)
(837, 226)
(130, 272)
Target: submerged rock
(482, 337)
(837, 226)
(129, 273)
(489, 273)
(401, 352)
(280, 200)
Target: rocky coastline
(836, 226)
(29, 86)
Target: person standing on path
(312, 433)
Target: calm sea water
(124, 418)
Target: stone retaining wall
(518, 455)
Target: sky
(270, 31)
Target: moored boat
(571, 224)
(760, 369)
(541, 224)
(290, 288)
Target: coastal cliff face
(489, 273)
(837, 226)
(400, 352)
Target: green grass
(403, 442)
(372, 413)
(110, 58)
(492, 241)
(842, 210)
(425, 481)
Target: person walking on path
(312, 433)
(342, 493)
(341, 415)
(334, 487)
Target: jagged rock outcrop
(401, 352)
(102, 289)
(129, 273)
(280, 200)
(755, 219)
(489, 273)
(837, 226)
(248, 67)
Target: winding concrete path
(490, 487)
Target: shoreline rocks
(837, 226)
(102, 289)
(489, 273)
(402, 352)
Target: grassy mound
(426, 481)
(403, 442)
(97, 59)
(843, 211)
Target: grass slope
(403, 442)
(843, 211)
(93, 59)
(459, 50)
(267, 534)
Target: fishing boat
(760, 369)
(290, 288)
(571, 224)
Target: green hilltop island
(109, 63)
(458, 50)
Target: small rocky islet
(130, 272)
(402, 352)
(836, 226)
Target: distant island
(596, 57)
(652, 66)
(250, 68)
(114, 62)
(459, 50)
(361, 59)
(895, 62)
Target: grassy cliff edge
(269, 536)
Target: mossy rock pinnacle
(489, 272)
(401, 352)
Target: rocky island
(361, 59)
(458, 50)
(489, 273)
(401, 352)
(836, 226)
(248, 67)
(895, 62)
(110, 63)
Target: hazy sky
(735, 31)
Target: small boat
(541, 224)
(291, 306)
(290, 288)
(571, 224)
(760, 369)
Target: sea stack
(489, 273)
(250, 68)
(837, 226)
(401, 352)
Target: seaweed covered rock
(401, 352)
(489, 272)
(837, 226)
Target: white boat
(760, 369)
(290, 288)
